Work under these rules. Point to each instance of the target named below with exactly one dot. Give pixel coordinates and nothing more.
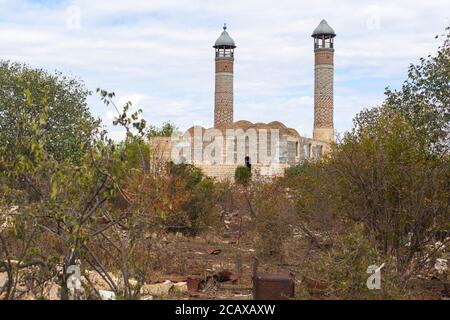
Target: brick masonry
(324, 57)
(323, 95)
(224, 65)
(223, 107)
(291, 149)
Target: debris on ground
(180, 287)
(164, 289)
(3, 279)
(441, 266)
(107, 295)
(223, 276)
(193, 284)
(216, 252)
(159, 290)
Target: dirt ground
(233, 251)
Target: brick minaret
(324, 77)
(223, 107)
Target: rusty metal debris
(223, 276)
(271, 286)
(196, 284)
(193, 284)
(234, 279)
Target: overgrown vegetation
(390, 177)
(243, 175)
(69, 195)
(27, 95)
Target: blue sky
(159, 54)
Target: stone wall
(295, 150)
(161, 148)
(226, 171)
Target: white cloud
(159, 52)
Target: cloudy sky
(159, 55)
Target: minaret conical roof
(225, 40)
(323, 29)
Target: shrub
(243, 175)
(296, 170)
(341, 273)
(273, 212)
(180, 199)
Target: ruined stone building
(269, 147)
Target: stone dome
(246, 125)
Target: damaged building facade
(270, 148)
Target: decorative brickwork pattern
(324, 57)
(323, 98)
(223, 107)
(323, 91)
(224, 65)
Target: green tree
(166, 130)
(383, 175)
(62, 207)
(391, 172)
(296, 170)
(25, 92)
(196, 196)
(424, 99)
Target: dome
(225, 39)
(247, 125)
(323, 29)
